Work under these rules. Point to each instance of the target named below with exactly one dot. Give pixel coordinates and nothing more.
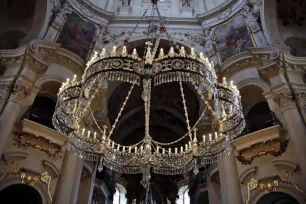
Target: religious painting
(77, 35)
(232, 38)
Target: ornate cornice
(261, 58)
(40, 54)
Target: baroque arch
(15, 180)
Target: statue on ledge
(126, 2)
(186, 3)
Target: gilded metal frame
(87, 20)
(226, 22)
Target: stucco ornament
(20, 92)
(251, 13)
(284, 100)
(56, 5)
(4, 87)
(186, 3)
(61, 15)
(210, 43)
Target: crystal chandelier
(221, 101)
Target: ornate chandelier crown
(94, 142)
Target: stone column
(294, 123)
(214, 194)
(230, 186)
(87, 183)
(76, 183)
(57, 22)
(11, 111)
(64, 186)
(300, 96)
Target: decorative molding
(20, 92)
(274, 147)
(25, 140)
(4, 88)
(284, 100)
(290, 164)
(261, 58)
(34, 128)
(259, 136)
(246, 173)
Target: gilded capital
(20, 92)
(300, 97)
(4, 87)
(284, 100)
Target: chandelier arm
(185, 109)
(176, 141)
(142, 17)
(147, 100)
(163, 25)
(120, 112)
(89, 103)
(94, 119)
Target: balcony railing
(258, 122)
(39, 115)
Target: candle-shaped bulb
(102, 53)
(135, 149)
(186, 147)
(202, 58)
(134, 54)
(88, 133)
(141, 149)
(130, 149)
(171, 52)
(224, 81)
(175, 150)
(210, 137)
(124, 52)
(113, 145)
(95, 135)
(113, 52)
(204, 138)
(216, 135)
(123, 149)
(182, 149)
(169, 151)
(118, 147)
(193, 54)
(83, 131)
(157, 150)
(161, 53)
(182, 51)
(164, 151)
(190, 144)
(232, 84)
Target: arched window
(116, 199)
(183, 196)
(186, 197)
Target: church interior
(153, 101)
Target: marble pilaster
(21, 90)
(65, 184)
(230, 186)
(284, 99)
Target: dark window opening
(41, 111)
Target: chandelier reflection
(221, 101)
